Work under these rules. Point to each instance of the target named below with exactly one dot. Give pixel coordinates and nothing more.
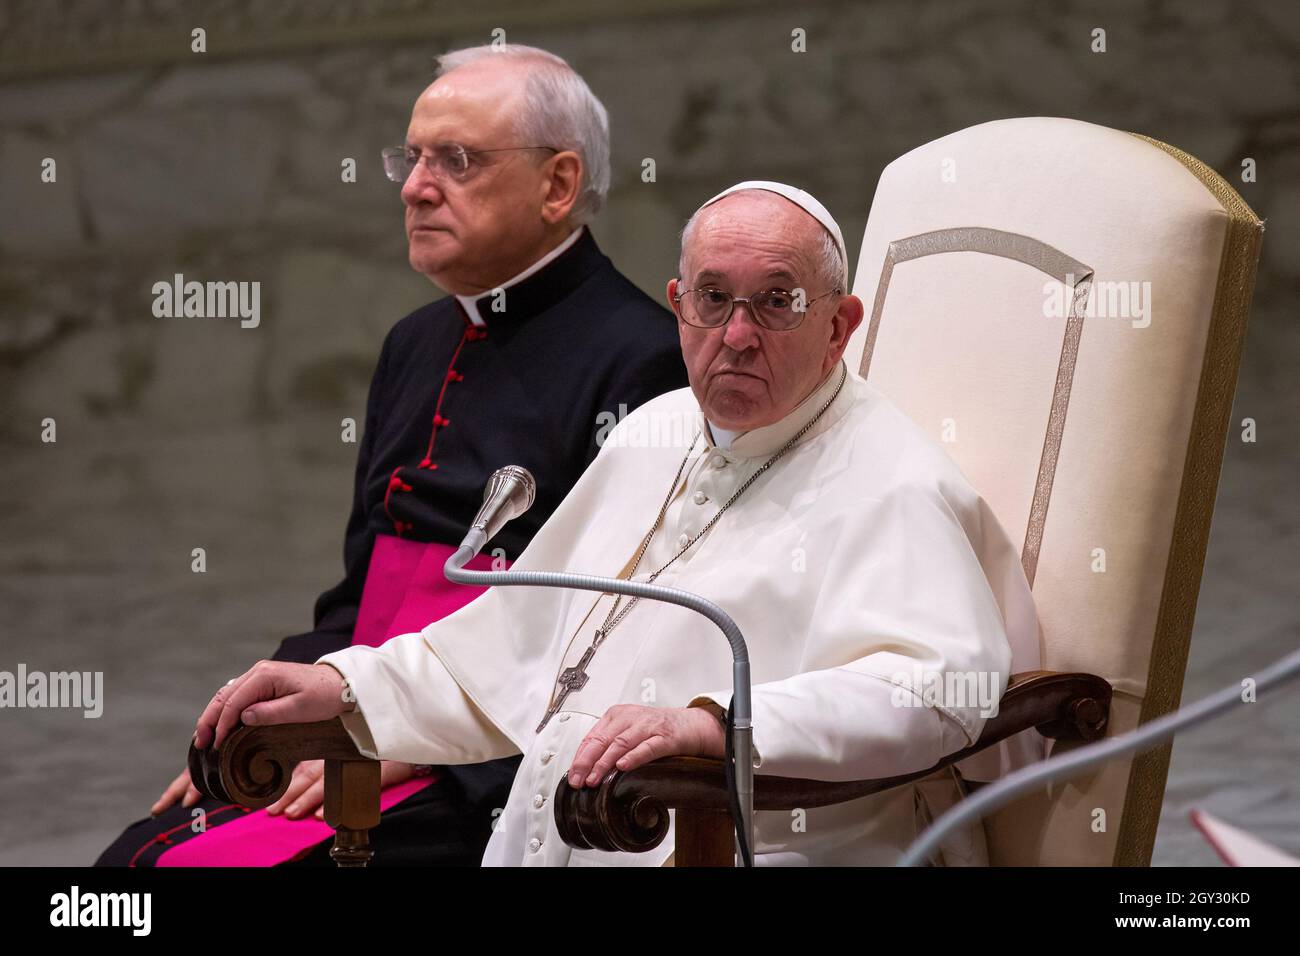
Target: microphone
(509, 493)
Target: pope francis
(862, 568)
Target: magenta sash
(405, 590)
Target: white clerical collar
(766, 440)
(470, 303)
(722, 438)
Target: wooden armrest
(629, 811)
(254, 765)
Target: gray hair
(827, 261)
(559, 110)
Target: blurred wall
(175, 434)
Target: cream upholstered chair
(993, 266)
(1063, 305)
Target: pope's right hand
(273, 692)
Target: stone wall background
(181, 434)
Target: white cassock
(860, 556)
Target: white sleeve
(410, 708)
(908, 654)
(843, 724)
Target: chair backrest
(1062, 306)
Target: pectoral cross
(571, 679)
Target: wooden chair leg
(703, 838)
(352, 808)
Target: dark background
(177, 434)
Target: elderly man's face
(743, 375)
(469, 235)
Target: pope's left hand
(630, 735)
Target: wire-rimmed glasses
(774, 309)
(447, 161)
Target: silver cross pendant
(571, 679)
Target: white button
(683, 540)
(534, 845)
(700, 497)
(718, 461)
(546, 757)
(538, 800)
(564, 718)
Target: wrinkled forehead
(752, 235)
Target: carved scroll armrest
(254, 765)
(629, 811)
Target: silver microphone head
(509, 493)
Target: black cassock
(559, 355)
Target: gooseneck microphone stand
(509, 493)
